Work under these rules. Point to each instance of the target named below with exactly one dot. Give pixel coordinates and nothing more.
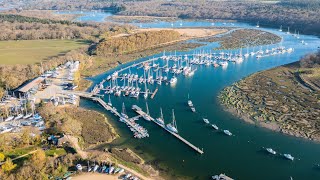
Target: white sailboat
(190, 104)
(227, 132)
(246, 55)
(173, 125)
(9, 118)
(146, 91)
(271, 151)
(206, 120)
(109, 102)
(288, 156)
(160, 119)
(147, 116)
(123, 113)
(173, 80)
(28, 115)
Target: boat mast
(174, 124)
(25, 106)
(32, 108)
(109, 99)
(161, 115)
(123, 109)
(145, 87)
(147, 108)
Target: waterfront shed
(33, 84)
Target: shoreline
(243, 100)
(273, 127)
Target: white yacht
(271, 151)
(223, 63)
(288, 156)
(19, 116)
(189, 102)
(214, 126)
(227, 132)
(221, 177)
(117, 93)
(173, 125)
(160, 119)
(9, 118)
(27, 116)
(145, 95)
(79, 167)
(5, 129)
(123, 113)
(206, 120)
(173, 80)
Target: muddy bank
(243, 38)
(277, 100)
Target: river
(240, 156)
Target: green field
(32, 51)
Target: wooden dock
(144, 115)
(154, 93)
(115, 112)
(128, 121)
(138, 110)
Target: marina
(140, 90)
(166, 68)
(141, 114)
(220, 74)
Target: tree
(2, 157)
(71, 126)
(38, 159)
(8, 165)
(25, 137)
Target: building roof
(31, 84)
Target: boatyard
(20, 105)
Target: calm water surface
(240, 156)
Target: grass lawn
(58, 151)
(33, 51)
(19, 151)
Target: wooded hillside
(136, 42)
(302, 15)
(15, 27)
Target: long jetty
(114, 111)
(91, 96)
(146, 116)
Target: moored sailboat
(160, 119)
(173, 125)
